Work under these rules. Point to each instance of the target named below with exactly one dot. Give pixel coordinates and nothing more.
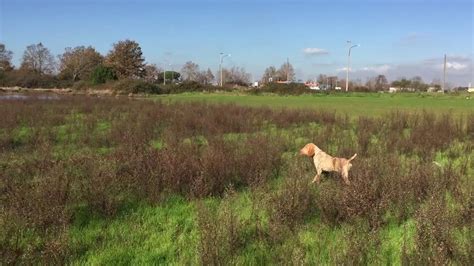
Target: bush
(102, 74)
(291, 205)
(283, 89)
(29, 79)
(220, 233)
(192, 86)
(135, 86)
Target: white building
(470, 88)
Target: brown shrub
(292, 204)
(435, 243)
(220, 233)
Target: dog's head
(309, 150)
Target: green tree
(102, 74)
(170, 76)
(403, 83)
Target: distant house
(470, 88)
(393, 89)
(313, 85)
(397, 89)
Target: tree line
(39, 67)
(125, 61)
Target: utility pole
(444, 73)
(287, 70)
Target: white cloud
(315, 51)
(378, 68)
(453, 65)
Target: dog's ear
(308, 149)
(311, 149)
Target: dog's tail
(353, 156)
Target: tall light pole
(164, 71)
(349, 62)
(444, 74)
(172, 74)
(164, 74)
(222, 55)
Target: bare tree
(269, 75)
(190, 71)
(286, 72)
(418, 84)
(236, 75)
(333, 81)
(322, 79)
(79, 62)
(126, 58)
(381, 82)
(152, 73)
(5, 58)
(371, 83)
(209, 76)
(205, 77)
(39, 59)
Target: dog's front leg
(317, 178)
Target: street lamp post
(222, 55)
(349, 63)
(164, 75)
(172, 73)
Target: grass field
(354, 104)
(129, 181)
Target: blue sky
(397, 37)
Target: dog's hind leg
(345, 175)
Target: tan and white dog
(326, 162)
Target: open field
(353, 104)
(128, 181)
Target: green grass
(354, 104)
(145, 234)
(167, 234)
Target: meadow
(217, 179)
(352, 104)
